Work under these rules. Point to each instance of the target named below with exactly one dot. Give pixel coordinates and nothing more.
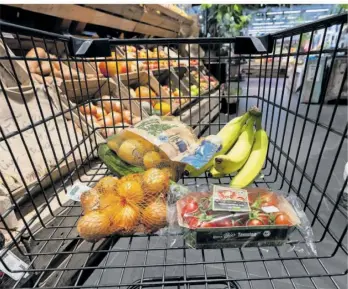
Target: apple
(176, 92)
(194, 90)
(109, 69)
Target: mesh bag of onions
(135, 203)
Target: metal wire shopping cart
(307, 154)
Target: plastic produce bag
(158, 142)
(223, 217)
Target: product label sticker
(76, 190)
(230, 199)
(13, 263)
(204, 152)
(270, 209)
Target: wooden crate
(202, 79)
(134, 80)
(105, 16)
(197, 113)
(92, 91)
(174, 76)
(82, 90)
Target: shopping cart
(307, 154)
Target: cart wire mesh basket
(47, 144)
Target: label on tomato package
(239, 237)
(230, 199)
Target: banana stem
(255, 111)
(258, 122)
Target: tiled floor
(293, 136)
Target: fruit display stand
(146, 86)
(200, 77)
(170, 80)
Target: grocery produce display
(107, 113)
(45, 70)
(204, 81)
(129, 61)
(133, 203)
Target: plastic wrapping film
(257, 217)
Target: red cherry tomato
(207, 225)
(192, 222)
(252, 197)
(223, 223)
(254, 222)
(282, 219)
(264, 218)
(268, 199)
(263, 199)
(190, 207)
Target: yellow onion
(154, 216)
(155, 182)
(94, 226)
(90, 200)
(125, 218)
(107, 184)
(131, 191)
(133, 177)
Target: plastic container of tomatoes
(223, 217)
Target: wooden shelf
(153, 20)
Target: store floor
(291, 136)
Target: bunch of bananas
(244, 150)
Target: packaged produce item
(131, 204)
(222, 217)
(163, 142)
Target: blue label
(203, 154)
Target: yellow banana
(238, 155)
(228, 134)
(215, 174)
(254, 164)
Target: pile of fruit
(108, 113)
(195, 211)
(244, 150)
(176, 95)
(134, 203)
(44, 70)
(204, 80)
(155, 106)
(194, 90)
(159, 58)
(114, 66)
